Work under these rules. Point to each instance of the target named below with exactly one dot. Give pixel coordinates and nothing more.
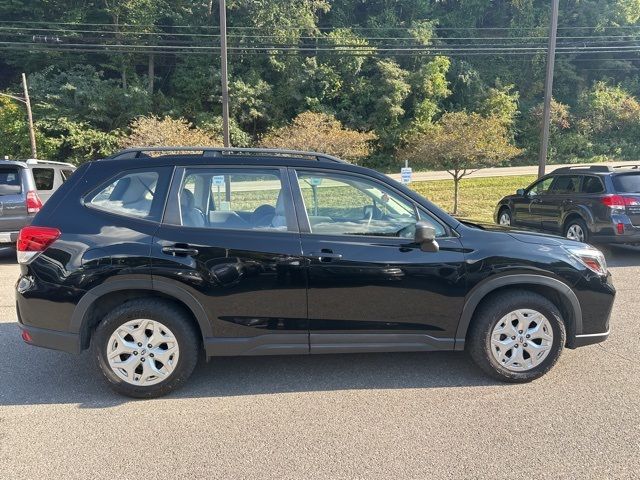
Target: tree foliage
(321, 133)
(167, 132)
(460, 143)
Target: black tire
(485, 319)
(174, 318)
(580, 223)
(505, 210)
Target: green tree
(460, 143)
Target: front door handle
(180, 251)
(326, 255)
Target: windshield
(627, 183)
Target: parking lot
(347, 416)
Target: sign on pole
(405, 174)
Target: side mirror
(520, 192)
(426, 237)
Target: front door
(230, 240)
(526, 211)
(371, 288)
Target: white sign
(218, 180)
(405, 174)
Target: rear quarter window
(627, 182)
(134, 193)
(10, 183)
(43, 178)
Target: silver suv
(24, 187)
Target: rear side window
(43, 178)
(566, 184)
(10, 181)
(627, 183)
(138, 194)
(228, 198)
(592, 185)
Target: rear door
(628, 185)
(562, 195)
(371, 288)
(230, 240)
(13, 207)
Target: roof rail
(139, 152)
(33, 161)
(634, 166)
(591, 168)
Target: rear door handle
(180, 251)
(326, 256)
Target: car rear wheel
(517, 336)
(504, 217)
(576, 230)
(146, 348)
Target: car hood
(523, 235)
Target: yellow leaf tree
(322, 133)
(460, 143)
(167, 132)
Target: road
(363, 416)
(500, 171)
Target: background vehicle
(258, 252)
(24, 187)
(596, 204)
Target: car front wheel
(516, 336)
(146, 348)
(504, 217)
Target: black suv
(596, 204)
(150, 260)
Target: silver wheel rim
(521, 340)
(575, 232)
(142, 352)
(504, 219)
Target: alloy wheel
(521, 340)
(575, 232)
(505, 219)
(142, 352)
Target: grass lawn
(478, 196)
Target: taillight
(34, 204)
(619, 201)
(33, 240)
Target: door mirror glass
(520, 192)
(425, 236)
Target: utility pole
(548, 88)
(32, 132)
(223, 71)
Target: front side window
(131, 194)
(339, 204)
(541, 187)
(244, 199)
(43, 178)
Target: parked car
(150, 261)
(596, 204)
(24, 187)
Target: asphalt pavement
(368, 416)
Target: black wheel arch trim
(79, 317)
(481, 291)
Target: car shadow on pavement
(35, 376)
(7, 256)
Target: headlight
(590, 257)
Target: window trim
(162, 188)
(305, 224)
(171, 216)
